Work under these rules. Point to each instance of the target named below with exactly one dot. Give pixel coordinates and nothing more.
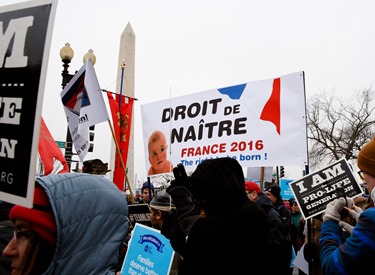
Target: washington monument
(126, 62)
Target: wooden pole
(261, 178)
(131, 198)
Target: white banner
(261, 123)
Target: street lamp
(67, 54)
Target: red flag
(121, 124)
(51, 159)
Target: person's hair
(38, 256)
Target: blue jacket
(353, 255)
(91, 218)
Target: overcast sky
(190, 46)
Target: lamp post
(67, 54)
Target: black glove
(187, 208)
(171, 229)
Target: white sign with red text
(260, 123)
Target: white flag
(84, 106)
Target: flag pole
(122, 163)
(121, 83)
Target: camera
(340, 193)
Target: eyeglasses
(361, 175)
(22, 234)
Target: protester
(6, 234)
(296, 217)
(233, 232)
(312, 249)
(279, 242)
(157, 154)
(355, 254)
(75, 226)
(147, 191)
(160, 207)
(273, 193)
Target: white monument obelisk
(127, 57)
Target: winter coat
(353, 255)
(234, 232)
(286, 217)
(279, 241)
(276, 230)
(91, 218)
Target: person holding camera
(354, 254)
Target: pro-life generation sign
(314, 191)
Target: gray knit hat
(162, 201)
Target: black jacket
(235, 231)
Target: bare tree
(339, 128)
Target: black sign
(24, 43)
(314, 191)
(139, 213)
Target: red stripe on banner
(271, 110)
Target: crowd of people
(78, 223)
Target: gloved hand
(188, 210)
(346, 226)
(172, 230)
(333, 210)
(354, 213)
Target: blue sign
(286, 192)
(149, 252)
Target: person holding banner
(157, 154)
(75, 226)
(353, 255)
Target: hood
(218, 185)
(91, 219)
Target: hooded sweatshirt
(234, 231)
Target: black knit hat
(274, 190)
(292, 201)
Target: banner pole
(122, 163)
